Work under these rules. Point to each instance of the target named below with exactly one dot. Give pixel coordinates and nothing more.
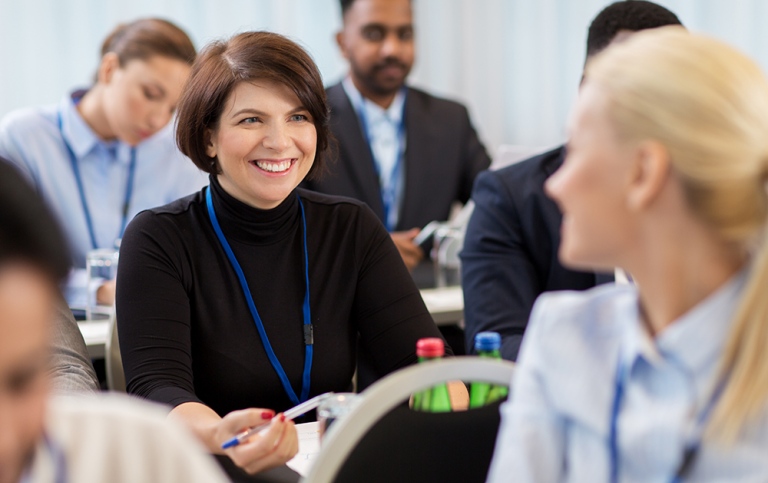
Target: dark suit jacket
(510, 251)
(443, 156)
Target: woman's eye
(150, 95)
(299, 117)
(250, 120)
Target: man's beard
(372, 81)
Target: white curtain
(515, 63)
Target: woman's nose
(159, 117)
(277, 138)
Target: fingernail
(267, 415)
(282, 418)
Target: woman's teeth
(274, 167)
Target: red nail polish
(267, 415)
(282, 418)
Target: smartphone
(426, 232)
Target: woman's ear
(210, 146)
(110, 62)
(650, 174)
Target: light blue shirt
(555, 428)
(387, 144)
(31, 139)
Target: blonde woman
(665, 177)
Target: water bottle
(487, 344)
(435, 399)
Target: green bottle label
(482, 393)
(434, 400)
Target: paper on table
(309, 446)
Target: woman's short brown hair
(247, 57)
(147, 37)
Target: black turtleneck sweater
(185, 330)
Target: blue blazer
(510, 251)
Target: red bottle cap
(430, 347)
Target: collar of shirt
(694, 340)
(372, 111)
(83, 140)
(43, 466)
(387, 142)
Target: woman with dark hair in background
(253, 293)
(102, 155)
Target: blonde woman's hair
(708, 104)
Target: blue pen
(292, 413)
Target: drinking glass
(335, 407)
(101, 265)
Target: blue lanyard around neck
(81, 188)
(59, 462)
(308, 329)
(389, 192)
(692, 447)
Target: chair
(447, 256)
(447, 243)
(382, 440)
(112, 359)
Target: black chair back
(410, 446)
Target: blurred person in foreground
(665, 177)
(85, 439)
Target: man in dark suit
(405, 153)
(510, 249)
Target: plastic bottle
(487, 344)
(435, 399)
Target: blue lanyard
(308, 329)
(81, 188)
(59, 462)
(691, 449)
(389, 192)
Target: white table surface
(95, 335)
(445, 304)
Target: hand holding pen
(275, 444)
(290, 414)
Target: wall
(515, 63)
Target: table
(445, 304)
(95, 334)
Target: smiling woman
(102, 154)
(254, 293)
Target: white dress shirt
(118, 439)
(31, 139)
(386, 136)
(556, 425)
